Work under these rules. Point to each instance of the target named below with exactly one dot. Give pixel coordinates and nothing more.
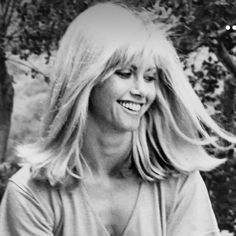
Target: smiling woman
(122, 141)
(120, 101)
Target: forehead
(143, 63)
(140, 53)
(139, 61)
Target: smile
(130, 106)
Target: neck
(106, 152)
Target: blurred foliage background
(29, 34)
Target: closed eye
(149, 78)
(126, 74)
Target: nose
(136, 92)
(138, 89)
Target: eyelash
(127, 75)
(149, 78)
(124, 74)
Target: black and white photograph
(117, 118)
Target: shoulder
(23, 176)
(181, 188)
(24, 186)
(23, 180)
(180, 182)
(38, 204)
(188, 206)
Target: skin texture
(107, 142)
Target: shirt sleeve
(192, 213)
(22, 215)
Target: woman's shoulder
(188, 206)
(22, 176)
(38, 203)
(178, 181)
(181, 185)
(23, 183)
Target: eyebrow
(149, 69)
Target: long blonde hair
(171, 135)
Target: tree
(28, 27)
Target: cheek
(98, 99)
(152, 94)
(109, 89)
(102, 97)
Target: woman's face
(120, 101)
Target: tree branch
(15, 32)
(10, 14)
(222, 32)
(224, 56)
(31, 66)
(5, 11)
(1, 8)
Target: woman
(122, 141)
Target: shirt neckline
(98, 219)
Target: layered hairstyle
(172, 133)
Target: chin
(129, 127)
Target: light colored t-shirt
(178, 206)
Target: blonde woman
(122, 140)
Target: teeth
(131, 106)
